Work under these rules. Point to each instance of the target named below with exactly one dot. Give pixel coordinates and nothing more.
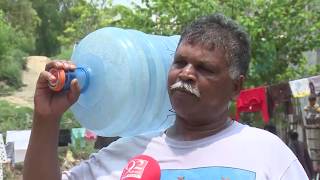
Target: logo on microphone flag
(134, 169)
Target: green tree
(280, 30)
(11, 55)
(162, 17)
(23, 18)
(83, 18)
(50, 26)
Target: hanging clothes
(77, 137)
(279, 94)
(300, 88)
(315, 84)
(90, 135)
(253, 100)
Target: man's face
(312, 102)
(199, 83)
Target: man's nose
(188, 73)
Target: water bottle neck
(63, 79)
(81, 74)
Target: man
(208, 71)
(312, 111)
(300, 150)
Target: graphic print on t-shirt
(208, 173)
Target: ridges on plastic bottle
(127, 93)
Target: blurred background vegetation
(281, 31)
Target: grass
(5, 90)
(15, 117)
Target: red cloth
(253, 100)
(89, 135)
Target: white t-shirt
(239, 152)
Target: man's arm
(41, 161)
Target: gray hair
(216, 30)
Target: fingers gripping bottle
(123, 80)
(63, 79)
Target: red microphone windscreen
(141, 167)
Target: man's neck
(183, 130)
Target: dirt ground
(24, 97)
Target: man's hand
(49, 103)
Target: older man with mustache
(207, 73)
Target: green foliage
(280, 30)
(5, 35)
(51, 24)
(5, 89)
(252, 119)
(68, 121)
(21, 15)
(23, 19)
(82, 149)
(131, 19)
(71, 156)
(10, 72)
(13, 45)
(83, 18)
(65, 53)
(162, 17)
(299, 71)
(14, 117)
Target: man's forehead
(208, 46)
(199, 50)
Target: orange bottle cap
(58, 83)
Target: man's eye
(179, 63)
(206, 69)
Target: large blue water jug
(127, 72)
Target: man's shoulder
(264, 142)
(253, 134)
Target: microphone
(141, 167)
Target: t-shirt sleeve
(295, 171)
(107, 163)
(81, 171)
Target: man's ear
(237, 86)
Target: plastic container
(63, 79)
(124, 80)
